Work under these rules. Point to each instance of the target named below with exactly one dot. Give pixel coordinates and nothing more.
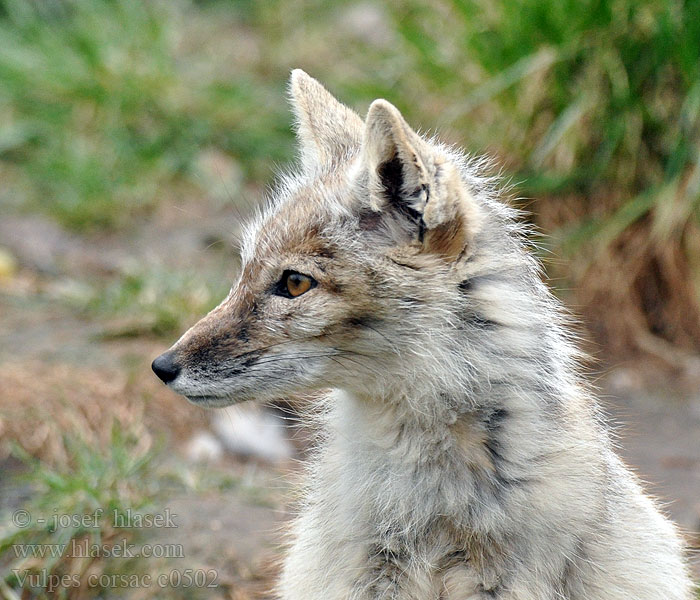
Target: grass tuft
(73, 506)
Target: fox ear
(327, 130)
(416, 184)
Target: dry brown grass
(637, 293)
(38, 412)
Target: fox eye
(293, 284)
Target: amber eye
(297, 284)
(293, 284)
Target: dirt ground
(46, 345)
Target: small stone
(204, 447)
(253, 431)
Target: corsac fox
(463, 455)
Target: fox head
(350, 275)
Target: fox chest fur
(408, 525)
(430, 507)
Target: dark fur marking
(391, 176)
(493, 445)
(386, 555)
(493, 424)
(325, 252)
(251, 360)
(421, 230)
(231, 372)
(205, 353)
(467, 285)
(361, 320)
(369, 220)
(400, 264)
(485, 278)
(495, 419)
(453, 559)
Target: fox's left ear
(327, 130)
(416, 184)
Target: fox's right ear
(416, 185)
(327, 130)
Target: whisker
(379, 333)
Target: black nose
(165, 367)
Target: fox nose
(165, 367)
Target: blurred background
(136, 135)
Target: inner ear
(391, 177)
(395, 161)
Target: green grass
(106, 106)
(102, 112)
(86, 503)
(154, 301)
(123, 476)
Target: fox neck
(468, 383)
(457, 444)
